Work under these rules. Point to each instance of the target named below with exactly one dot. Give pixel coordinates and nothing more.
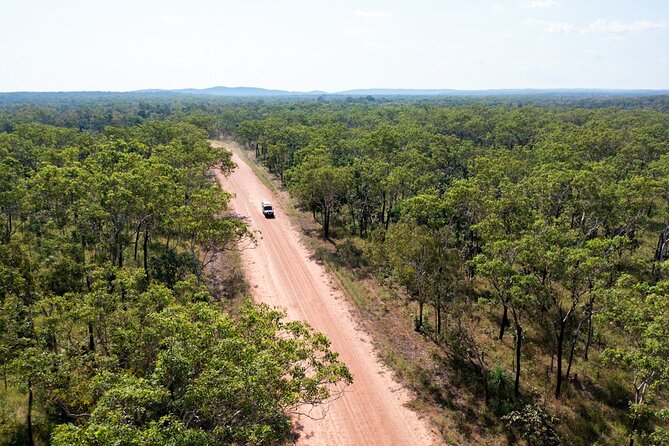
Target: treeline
(556, 221)
(108, 334)
(97, 110)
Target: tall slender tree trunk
(571, 356)
(388, 211)
(91, 339)
(29, 418)
(505, 322)
(588, 339)
(560, 347)
(633, 427)
(574, 340)
(326, 222)
(145, 251)
(519, 340)
(9, 227)
(383, 208)
(137, 232)
(351, 211)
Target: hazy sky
(55, 45)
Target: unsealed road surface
(281, 273)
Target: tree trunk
(588, 339)
(633, 430)
(383, 208)
(438, 322)
(574, 340)
(91, 339)
(351, 211)
(560, 347)
(8, 235)
(505, 322)
(29, 419)
(571, 356)
(326, 222)
(519, 337)
(137, 232)
(388, 211)
(146, 253)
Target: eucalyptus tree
(319, 185)
(640, 312)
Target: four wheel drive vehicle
(267, 209)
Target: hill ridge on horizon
(259, 91)
(266, 92)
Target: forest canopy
(108, 332)
(530, 235)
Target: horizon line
(204, 90)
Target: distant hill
(254, 91)
(498, 92)
(243, 91)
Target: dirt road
(281, 274)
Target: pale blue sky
(56, 45)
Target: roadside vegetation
(108, 331)
(530, 243)
(521, 243)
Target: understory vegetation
(528, 236)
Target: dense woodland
(108, 334)
(529, 233)
(551, 222)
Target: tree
(501, 264)
(240, 385)
(641, 313)
(319, 185)
(411, 254)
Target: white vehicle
(267, 210)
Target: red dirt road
(281, 273)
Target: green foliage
(501, 389)
(349, 254)
(169, 266)
(211, 380)
(641, 313)
(540, 208)
(552, 210)
(533, 424)
(105, 324)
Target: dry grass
(13, 412)
(226, 281)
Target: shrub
(534, 424)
